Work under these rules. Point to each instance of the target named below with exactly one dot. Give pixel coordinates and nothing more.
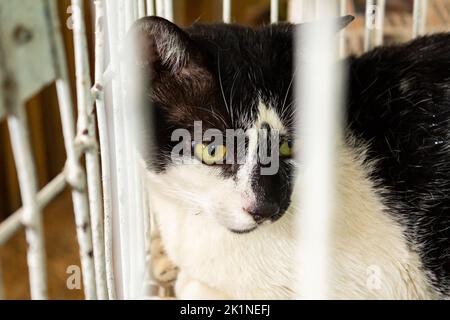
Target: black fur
(398, 105)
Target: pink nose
(261, 211)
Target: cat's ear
(162, 46)
(339, 22)
(344, 21)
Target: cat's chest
(214, 255)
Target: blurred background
(46, 134)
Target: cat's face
(224, 117)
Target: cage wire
(113, 219)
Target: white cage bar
(274, 11)
(87, 140)
(150, 7)
(2, 288)
(128, 210)
(420, 10)
(32, 214)
(160, 8)
(13, 223)
(41, 17)
(168, 9)
(342, 34)
(302, 11)
(119, 268)
(226, 11)
(75, 174)
(98, 91)
(319, 125)
(142, 11)
(129, 229)
(119, 174)
(374, 23)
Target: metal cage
(115, 245)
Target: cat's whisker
(232, 89)
(222, 89)
(289, 88)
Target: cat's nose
(262, 212)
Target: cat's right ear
(162, 47)
(339, 22)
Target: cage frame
(97, 204)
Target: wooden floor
(62, 251)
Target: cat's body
(392, 234)
(371, 256)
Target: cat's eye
(210, 154)
(286, 149)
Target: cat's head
(223, 114)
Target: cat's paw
(164, 271)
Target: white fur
(195, 208)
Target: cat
(228, 230)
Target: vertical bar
(74, 172)
(150, 7)
(141, 9)
(148, 226)
(131, 9)
(119, 144)
(32, 214)
(419, 17)
(302, 11)
(319, 105)
(160, 8)
(13, 223)
(131, 213)
(138, 143)
(226, 11)
(125, 217)
(130, 230)
(274, 11)
(136, 226)
(374, 23)
(380, 23)
(135, 9)
(168, 10)
(342, 33)
(104, 144)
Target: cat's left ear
(163, 48)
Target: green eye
(286, 150)
(210, 154)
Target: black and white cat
(230, 230)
